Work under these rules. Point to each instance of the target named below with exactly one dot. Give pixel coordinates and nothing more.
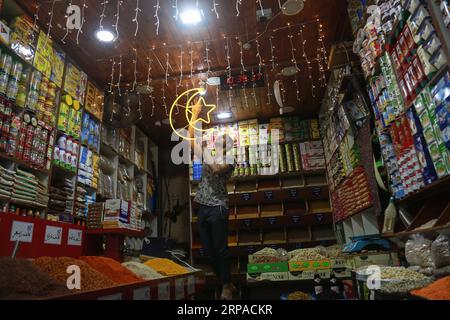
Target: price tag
(22, 231)
(320, 217)
(75, 237)
(295, 219)
(293, 193)
(53, 235)
(191, 285)
(247, 223)
(117, 296)
(268, 195)
(324, 274)
(179, 289)
(164, 291)
(141, 293)
(317, 191)
(246, 196)
(272, 221)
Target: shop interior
(339, 112)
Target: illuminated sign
(194, 100)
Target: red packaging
(413, 77)
(418, 69)
(403, 45)
(408, 84)
(409, 39)
(399, 52)
(403, 89)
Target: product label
(22, 231)
(268, 195)
(293, 193)
(246, 197)
(179, 289)
(75, 237)
(141, 293)
(164, 291)
(53, 235)
(295, 219)
(317, 191)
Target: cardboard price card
(164, 291)
(22, 231)
(141, 293)
(191, 285)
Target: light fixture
(224, 115)
(105, 36)
(191, 16)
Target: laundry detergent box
(116, 209)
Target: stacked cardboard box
(117, 214)
(312, 155)
(95, 216)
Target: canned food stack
(66, 153)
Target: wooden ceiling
(95, 58)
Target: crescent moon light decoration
(188, 112)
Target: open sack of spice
(269, 255)
(440, 254)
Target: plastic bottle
(390, 214)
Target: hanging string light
(208, 62)
(272, 58)
(140, 107)
(63, 39)
(36, 16)
(135, 68)
(191, 55)
(230, 100)
(283, 92)
(254, 90)
(245, 98)
(241, 48)
(167, 68)
(269, 92)
(181, 68)
(164, 99)
(279, 4)
(120, 75)
(157, 6)
(111, 84)
(103, 15)
(175, 6)
(152, 98)
(50, 22)
(258, 55)
(238, 3)
(84, 6)
(214, 9)
(135, 19)
(308, 62)
(176, 95)
(297, 88)
(321, 54)
(117, 15)
(261, 6)
(149, 73)
(227, 48)
(293, 60)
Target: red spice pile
(112, 270)
(438, 290)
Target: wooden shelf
(124, 232)
(439, 186)
(427, 231)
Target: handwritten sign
(164, 291)
(179, 289)
(53, 235)
(141, 293)
(293, 193)
(75, 237)
(295, 219)
(22, 231)
(317, 191)
(117, 296)
(246, 196)
(191, 285)
(268, 195)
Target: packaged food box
(4, 33)
(309, 274)
(375, 258)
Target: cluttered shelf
(24, 164)
(439, 186)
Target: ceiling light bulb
(105, 36)
(191, 16)
(223, 115)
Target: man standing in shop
(212, 198)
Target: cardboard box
(269, 276)
(309, 274)
(117, 210)
(309, 265)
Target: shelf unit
(288, 210)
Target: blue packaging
(429, 173)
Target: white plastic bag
(440, 251)
(418, 252)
